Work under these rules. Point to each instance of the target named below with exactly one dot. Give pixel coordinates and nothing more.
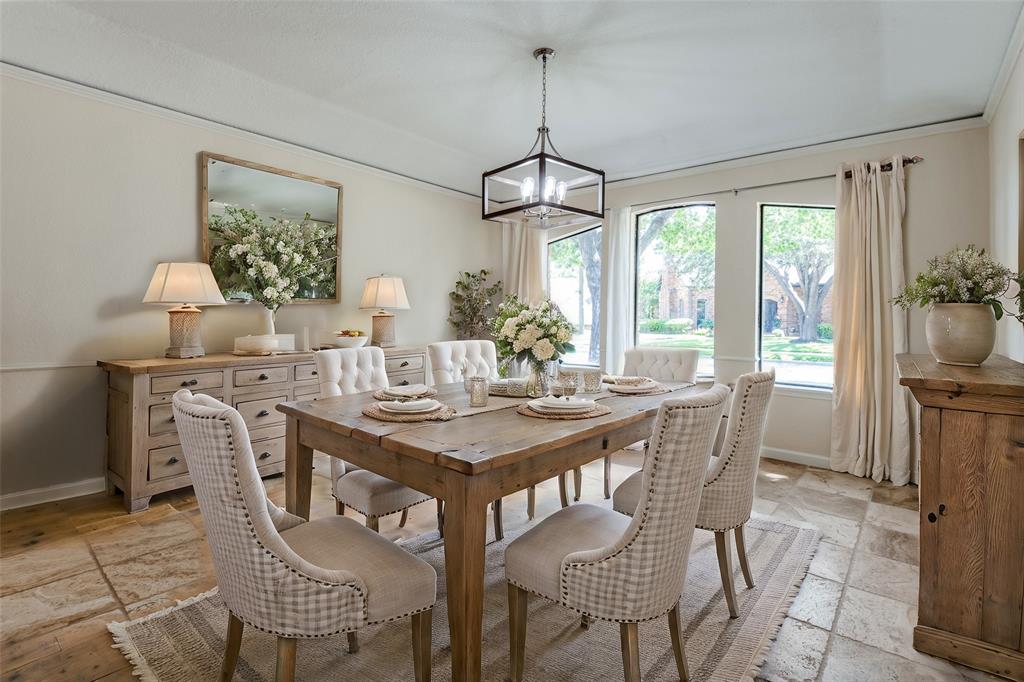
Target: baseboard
(811, 459)
(52, 493)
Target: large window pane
(574, 281)
(797, 265)
(675, 280)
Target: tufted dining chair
(448, 357)
(606, 566)
(281, 574)
(728, 495)
(660, 364)
(343, 371)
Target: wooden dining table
(468, 461)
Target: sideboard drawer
(403, 363)
(407, 378)
(166, 462)
(161, 420)
(307, 392)
(261, 375)
(261, 412)
(305, 372)
(193, 382)
(268, 451)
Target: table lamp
(185, 285)
(382, 293)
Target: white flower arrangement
(961, 276)
(531, 333)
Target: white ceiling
(444, 91)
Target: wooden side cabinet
(971, 599)
(144, 454)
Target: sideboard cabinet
(144, 454)
(971, 596)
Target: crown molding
(1013, 50)
(106, 97)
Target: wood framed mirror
(242, 197)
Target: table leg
(465, 534)
(298, 471)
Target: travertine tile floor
(68, 568)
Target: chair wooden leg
(678, 645)
(373, 523)
(531, 502)
(421, 637)
(285, 659)
(353, 642)
(577, 483)
(741, 551)
(405, 517)
(563, 494)
(517, 600)
(339, 507)
(630, 651)
(499, 529)
(725, 568)
(234, 643)
(440, 517)
(607, 477)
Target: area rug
(186, 642)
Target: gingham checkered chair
(280, 573)
(729, 484)
(660, 364)
(343, 371)
(607, 566)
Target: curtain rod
(885, 167)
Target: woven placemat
(661, 388)
(597, 411)
(441, 414)
(381, 395)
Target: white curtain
(524, 261)
(871, 416)
(616, 289)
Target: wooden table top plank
(999, 375)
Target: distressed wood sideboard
(971, 598)
(143, 450)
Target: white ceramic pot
(961, 333)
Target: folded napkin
(627, 380)
(411, 405)
(410, 391)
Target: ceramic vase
(961, 333)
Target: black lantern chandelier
(543, 189)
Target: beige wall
(1005, 159)
(97, 190)
(947, 206)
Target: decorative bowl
(350, 341)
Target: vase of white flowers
(535, 335)
(962, 291)
(269, 261)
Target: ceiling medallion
(543, 189)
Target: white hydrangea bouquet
(271, 261)
(534, 334)
(966, 275)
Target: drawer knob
(405, 363)
(314, 372)
(932, 518)
(190, 382)
(263, 377)
(171, 419)
(172, 460)
(264, 455)
(403, 382)
(262, 413)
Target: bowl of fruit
(350, 338)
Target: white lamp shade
(384, 292)
(179, 283)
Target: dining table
(478, 456)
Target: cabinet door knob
(932, 518)
(403, 382)
(405, 363)
(190, 382)
(172, 460)
(262, 413)
(314, 372)
(264, 455)
(263, 377)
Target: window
(675, 280)
(574, 283)
(797, 266)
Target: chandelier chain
(544, 92)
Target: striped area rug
(186, 642)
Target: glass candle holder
(592, 381)
(517, 387)
(479, 387)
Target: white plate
(410, 391)
(411, 407)
(539, 406)
(563, 404)
(642, 388)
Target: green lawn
(785, 348)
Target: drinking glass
(592, 381)
(568, 382)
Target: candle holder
(479, 388)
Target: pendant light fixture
(543, 189)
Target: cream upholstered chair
(606, 566)
(280, 573)
(729, 484)
(660, 364)
(343, 371)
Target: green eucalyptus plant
(472, 304)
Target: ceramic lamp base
(186, 339)
(383, 330)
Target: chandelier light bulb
(526, 189)
(549, 187)
(560, 190)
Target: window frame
(758, 327)
(547, 272)
(636, 270)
